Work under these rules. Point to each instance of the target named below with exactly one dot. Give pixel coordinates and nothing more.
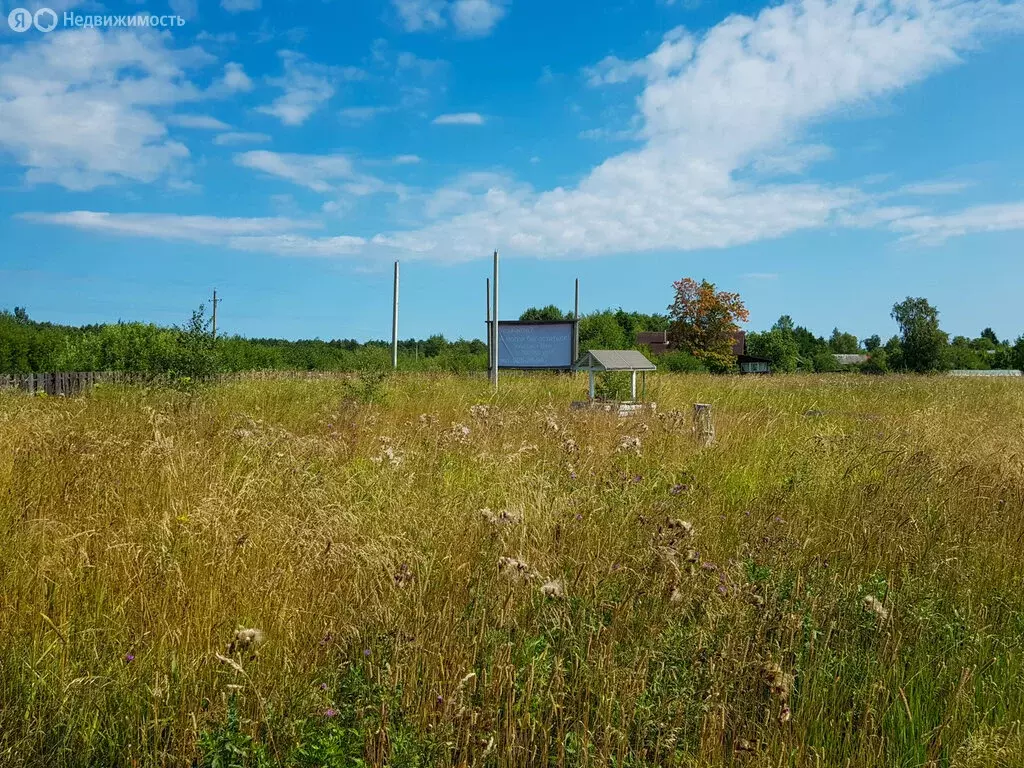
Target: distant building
(658, 342)
(851, 359)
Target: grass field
(838, 581)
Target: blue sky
(823, 159)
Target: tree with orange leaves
(704, 321)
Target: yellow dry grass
(850, 593)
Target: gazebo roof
(614, 360)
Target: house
(658, 342)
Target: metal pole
(494, 325)
(576, 326)
(214, 314)
(394, 325)
(488, 326)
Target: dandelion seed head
(553, 590)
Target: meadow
(417, 572)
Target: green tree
(843, 343)
(924, 343)
(989, 334)
(871, 343)
(777, 345)
(544, 314)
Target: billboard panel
(535, 345)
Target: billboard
(535, 345)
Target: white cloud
(202, 122)
(476, 18)
(238, 6)
(459, 118)
(197, 229)
(675, 51)
(929, 188)
(362, 114)
(235, 78)
(470, 18)
(931, 229)
(77, 105)
(406, 159)
(306, 87)
(240, 137)
(320, 173)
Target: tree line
(701, 324)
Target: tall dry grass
(849, 594)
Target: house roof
(615, 360)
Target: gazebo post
(632, 386)
(643, 378)
(591, 371)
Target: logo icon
(45, 20)
(20, 20)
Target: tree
(21, 314)
(777, 345)
(989, 334)
(893, 350)
(544, 314)
(924, 344)
(843, 343)
(871, 343)
(878, 362)
(704, 322)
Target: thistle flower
(403, 576)
(129, 658)
(246, 640)
(779, 683)
(553, 590)
(872, 604)
(630, 445)
(480, 411)
(330, 712)
(504, 517)
(569, 446)
(785, 715)
(515, 568)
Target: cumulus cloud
(78, 105)
(469, 18)
(715, 114)
(306, 86)
(235, 78)
(459, 118)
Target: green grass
(139, 529)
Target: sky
(823, 159)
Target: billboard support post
(394, 325)
(494, 314)
(490, 331)
(576, 326)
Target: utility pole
(576, 326)
(215, 314)
(394, 325)
(494, 315)
(489, 334)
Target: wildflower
(460, 432)
(480, 411)
(630, 445)
(505, 517)
(129, 658)
(569, 446)
(678, 488)
(722, 590)
(785, 715)
(323, 686)
(779, 683)
(246, 639)
(515, 568)
(366, 653)
(683, 527)
(709, 567)
(873, 605)
(553, 590)
(403, 576)
(330, 712)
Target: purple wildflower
(129, 658)
(330, 712)
(366, 652)
(678, 488)
(323, 686)
(709, 566)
